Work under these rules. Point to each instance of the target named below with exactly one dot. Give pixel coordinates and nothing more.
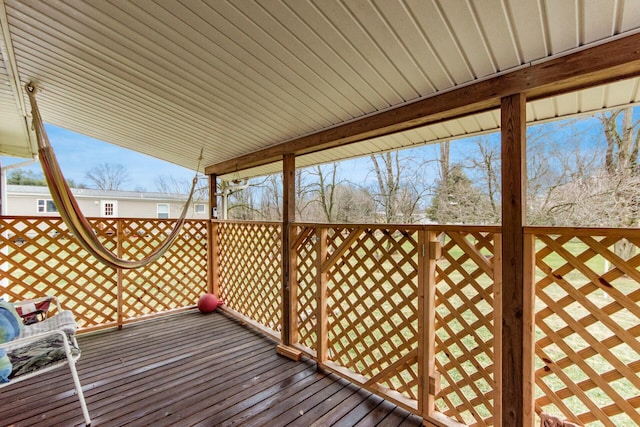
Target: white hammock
(70, 212)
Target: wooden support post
(288, 216)
(430, 251)
(513, 130)
(120, 275)
(322, 317)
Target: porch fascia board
(604, 63)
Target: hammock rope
(70, 211)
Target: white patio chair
(46, 345)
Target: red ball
(208, 303)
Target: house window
(163, 210)
(46, 206)
(108, 208)
(199, 208)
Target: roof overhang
(252, 81)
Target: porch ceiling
(166, 78)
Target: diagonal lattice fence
(369, 302)
(587, 347)
(250, 271)
(464, 327)
(40, 257)
(305, 247)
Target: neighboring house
(32, 200)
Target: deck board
(190, 369)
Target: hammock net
(68, 206)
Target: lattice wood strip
(306, 293)
(372, 303)
(465, 327)
(250, 272)
(588, 325)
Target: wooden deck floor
(193, 369)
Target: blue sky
(78, 153)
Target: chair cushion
(10, 322)
(10, 327)
(39, 354)
(5, 367)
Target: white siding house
(32, 200)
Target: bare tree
(242, 199)
(622, 135)
(387, 169)
(400, 188)
(108, 176)
(304, 190)
(325, 188)
(271, 198)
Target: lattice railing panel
(464, 327)
(39, 257)
(372, 305)
(306, 298)
(587, 349)
(176, 280)
(250, 272)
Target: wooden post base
(289, 352)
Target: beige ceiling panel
(592, 99)
(474, 47)
(628, 15)
(440, 131)
(166, 78)
(432, 71)
(495, 25)
(542, 109)
(212, 80)
(377, 23)
(440, 35)
(358, 46)
(339, 53)
(453, 127)
(315, 57)
(528, 26)
(488, 120)
(599, 20)
(562, 24)
(567, 104)
(469, 125)
(423, 134)
(622, 92)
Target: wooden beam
(600, 64)
(513, 216)
(288, 216)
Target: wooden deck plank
(296, 407)
(253, 405)
(357, 396)
(190, 369)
